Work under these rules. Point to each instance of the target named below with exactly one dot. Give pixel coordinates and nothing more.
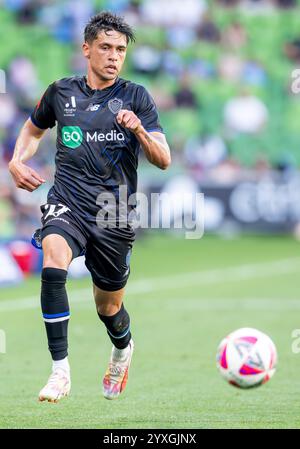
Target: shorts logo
(72, 136)
(55, 210)
(115, 105)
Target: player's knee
(108, 309)
(57, 253)
(52, 263)
(52, 259)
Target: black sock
(55, 308)
(118, 327)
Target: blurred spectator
(227, 172)
(14, 5)
(117, 6)
(292, 50)
(164, 101)
(64, 29)
(8, 111)
(245, 114)
(172, 63)
(285, 4)
(66, 20)
(23, 78)
(230, 67)
(184, 96)
(262, 165)
(228, 3)
(146, 59)
(205, 152)
(78, 63)
(7, 226)
(254, 74)
(180, 36)
(234, 36)
(132, 13)
(25, 11)
(257, 6)
(80, 12)
(207, 30)
(200, 68)
(161, 12)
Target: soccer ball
(247, 358)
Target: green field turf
(183, 296)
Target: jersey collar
(92, 91)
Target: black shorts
(107, 250)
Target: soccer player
(102, 122)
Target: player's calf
(56, 314)
(55, 309)
(118, 327)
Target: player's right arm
(42, 118)
(26, 146)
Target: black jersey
(94, 153)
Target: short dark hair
(106, 21)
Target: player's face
(106, 54)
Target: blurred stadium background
(221, 75)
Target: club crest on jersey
(115, 105)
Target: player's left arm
(154, 144)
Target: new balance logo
(93, 107)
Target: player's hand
(25, 177)
(129, 120)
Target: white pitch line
(222, 304)
(215, 276)
(249, 303)
(33, 302)
(175, 281)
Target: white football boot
(58, 386)
(116, 376)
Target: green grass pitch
(183, 296)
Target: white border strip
(56, 320)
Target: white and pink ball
(247, 358)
